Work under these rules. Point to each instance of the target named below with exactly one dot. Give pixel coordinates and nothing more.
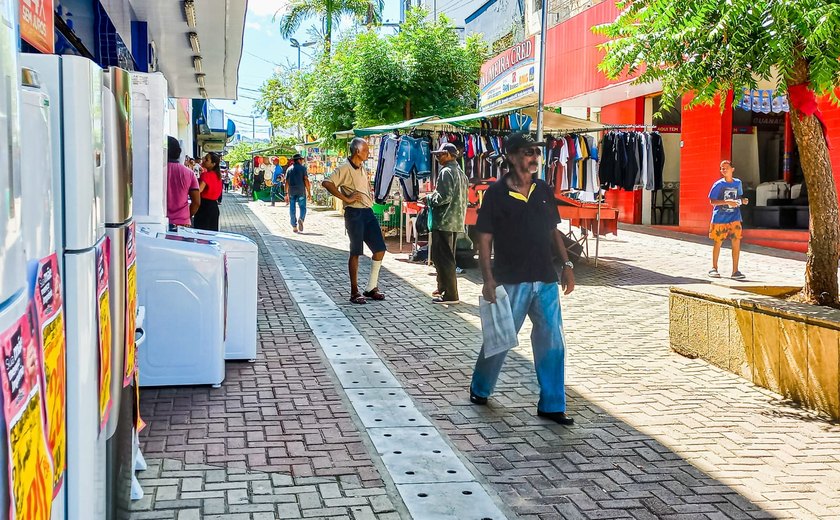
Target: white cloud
(253, 25)
(267, 7)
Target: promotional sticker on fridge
(103, 311)
(130, 304)
(30, 468)
(48, 312)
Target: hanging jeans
(540, 302)
(294, 202)
(413, 156)
(443, 256)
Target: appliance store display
(181, 282)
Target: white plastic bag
(497, 324)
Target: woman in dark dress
(210, 185)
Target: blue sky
(264, 49)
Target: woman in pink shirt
(182, 195)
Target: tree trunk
(824, 244)
(407, 109)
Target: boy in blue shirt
(727, 197)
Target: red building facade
(706, 133)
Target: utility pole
(541, 97)
(253, 129)
(434, 4)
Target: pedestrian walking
(727, 197)
(350, 183)
(210, 185)
(298, 191)
(182, 192)
(518, 220)
(448, 205)
(277, 180)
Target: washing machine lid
(191, 240)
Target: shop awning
(552, 122)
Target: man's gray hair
(356, 145)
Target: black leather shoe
(475, 399)
(558, 417)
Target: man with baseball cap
(518, 221)
(448, 205)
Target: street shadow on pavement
(602, 467)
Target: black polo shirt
(522, 230)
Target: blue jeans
(294, 201)
(277, 192)
(413, 156)
(540, 302)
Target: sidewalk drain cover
(357, 373)
(407, 440)
(462, 501)
(328, 326)
(312, 310)
(299, 287)
(415, 467)
(377, 408)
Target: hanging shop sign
(510, 76)
(48, 313)
(37, 26)
(130, 305)
(103, 314)
(29, 466)
(763, 101)
(669, 129)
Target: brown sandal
(358, 299)
(374, 295)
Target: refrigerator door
(148, 100)
(36, 189)
(118, 154)
(85, 443)
(116, 283)
(12, 262)
(74, 87)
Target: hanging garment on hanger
(413, 156)
(643, 158)
(592, 182)
(651, 174)
(658, 160)
(385, 170)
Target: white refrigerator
(74, 86)
(119, 225)
(149, 98)
(13, 299)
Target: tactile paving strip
(431, 479)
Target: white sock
(374, 275)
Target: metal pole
(253, 129)
(541, 72)
(434, 8)
(298, 57)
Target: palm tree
(368, 12)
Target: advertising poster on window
(103, 314)
(510, 76)
(130, 305)
(30, 467)
(37, 25)
(48, 312)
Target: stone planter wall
(792, 349)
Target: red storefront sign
(669, 129)
(37, 25)
(510, 75)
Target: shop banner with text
(37, 25)
(130, 305)
(30, 468)
(103, 312)
(48, 312)
(510, 76)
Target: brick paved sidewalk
(657, 435)
(275, 441)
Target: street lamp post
(297, 45)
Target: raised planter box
(790, 348)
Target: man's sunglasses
(530, 152)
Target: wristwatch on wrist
(569, 264)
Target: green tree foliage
(240, 153)
(368, 12)
(711, 47)
(373, 79)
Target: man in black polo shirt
(518, 217)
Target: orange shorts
(720, 232)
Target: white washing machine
(241, 252)
(181, 283)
